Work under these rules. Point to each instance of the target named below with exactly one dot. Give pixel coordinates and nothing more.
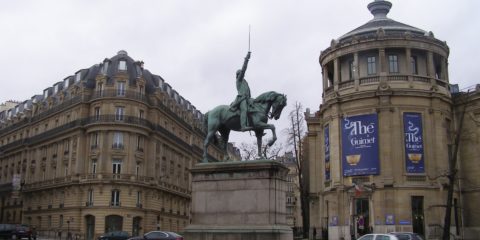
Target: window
(116, 166)
(60, 221)
(65, 83)
(120, 88)
(351, 69)
(54, 150)
(115, 200)
(100, 88)
(139, 194)
(141, 114)
(55, 89)
(137, 169)
(104, 68)
(90, 197)
(45, 94)
(94, 166)
(117, 140)
(371, 65)
(119, 112)
(142, 90)
(122, 65)
(78, 76)
(140, 141)
(66, 146)
(413, 63)
(96, 113)
(393, 63)
(94, 141)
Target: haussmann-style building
(380, 142)
(109, 148)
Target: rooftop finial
(379, 8)
(122, 52)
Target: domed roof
(379, 10)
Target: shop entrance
(361, 217)
(417, 215)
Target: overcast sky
(197, 46)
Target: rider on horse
(243, 99)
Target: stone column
(325, 77)
(408, 66)
(356, 70)
(336, 74)
(382, 62)
(444, 69)
(431, 68)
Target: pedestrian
(314, 233)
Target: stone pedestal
(239, 201)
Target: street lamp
(68, 229)
(69, 235)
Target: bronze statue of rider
(242, 101)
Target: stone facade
(386, 70)
(109, 148)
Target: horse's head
(277, 106)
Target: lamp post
(69, 235)
(68, 229)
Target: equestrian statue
(244, 114)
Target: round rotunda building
(378, 143)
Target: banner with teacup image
(412, 128)
(360, 145)
(327, 151)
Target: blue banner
(413, 131)
(360, 145)
(327, 152)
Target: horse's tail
(205, 122)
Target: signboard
(404, 222)
(412, 128)
(334, 221)
(389, 219)
(327, 152)
(360, 145)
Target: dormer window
(55, 89)
(45, 93)
(139, 71)
(105, 68)
(78, 76)
(122, 65)
(65, 83)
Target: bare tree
(295, 138)
(458, 99)
(249, 151)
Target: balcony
(118, 146)
(115, 204)
(139, 205)
(390, 81)
(133, 95)
(88, 204)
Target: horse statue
(223, 120)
